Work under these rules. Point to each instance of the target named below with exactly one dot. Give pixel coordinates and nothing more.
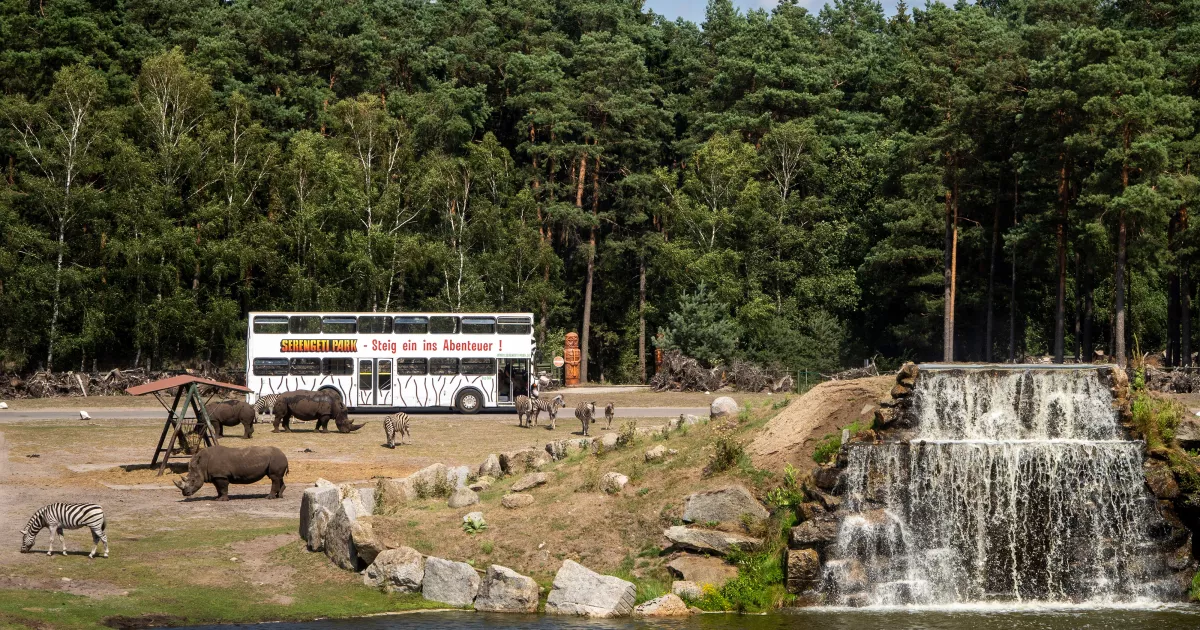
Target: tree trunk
(991, 287)
(950, 256)
(1088, 313)
(1060, 308)
(62, 229)
(1119, 290)
(1078, 306)
(1185, 315)
(642, 318)
(591, 263)
(1012, 287)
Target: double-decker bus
(379, 362)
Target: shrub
(474, 527)
(627, 434)
(1156, 418)
(1194, 593)
(789, 495)
(727, 453)
(829, 445)
(487, 546)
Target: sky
(694, 9)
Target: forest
(989, 181)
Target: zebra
(60, 516)
(264, 405)
(551, 408)
(393, 422)
(586, 412)
(609, 412)
(524, 406)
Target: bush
(1156, 418)
(701, 328)
(627, 434)
(727, 453)
(828, 447)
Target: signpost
(559, 362)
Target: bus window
(478, 366)
(385, 374)
(514, 326)
(338, 325)
(443, 325)
(337, 367)
(306, 366)
(305, 324)
(270, 325)
(364, 374)
(374, 325)
(270, 367)
(478, 326)
(411, 325)
(412, 367)
(443, 366)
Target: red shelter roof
(179, 381)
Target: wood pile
(682, 373)
(114, 382)
(847, 375)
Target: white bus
(379, 362)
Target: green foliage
(473, 527)
(728, 452)
(787, 496)
(1156, 418)
(627, 434)
(827, 449)
(701, 328)
(1194, 591)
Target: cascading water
(1015, 486)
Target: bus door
(375, 382)
(513, 380)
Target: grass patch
(759, 586)
(827, 449)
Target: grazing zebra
(586, 412)
(524, 407)
(59, 516)
(391, 424)
(263, 405)
(551, 408)
(609, 412)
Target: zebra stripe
(59, 516)
(550, 407)
(391, 424)
(264, 405)
(609, 412)
(586, 412)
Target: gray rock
(458, 476)
(803, 570)
(656, 453)
(448, 582)
(702, 570)
(531, 480)
(367, 497)
(814, 534)
(516, 500)
(613, 482)
(350, 493)
(723, 407)
(687, 590)
(684, 420)
(710, 541)
(581, 592)
(400, 570)
(726, 505)
(366, 544)
(491, 467)
(317, 527)
(1160, 479)
(1188, 431)
(393, 494)
(323, 483)
(430, 476)
(482, 483)
(609, 440)
(339, 545)
(524, 460)
(669, 605)
(463, 497)
(558, 449)
(826, 476)
(505, 590)
(313, 498)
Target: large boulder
(367, 497)
(505, 590)
(803, 570)
(317, 527)
(491, 467)
(710, 541)
(516, 500)
(726, 506)
(339, 543)
(449, 582)
(655, 453)
(1161, 480)
(312, 499)
(532, 480)
(815, 534)
(669, 605)
(350, 493)
(400, 570)
(366, 544)
(430, 478)
(723, 407)
(826, 476)
(458, 476)
(524, 460)
(392, 494)
(687, 590)
(462, 497)
(581, 592)
(684, 420)
(702, 570)
(613, 482)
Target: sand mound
(791, 436)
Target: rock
(669, 605)
(339, 545)
(826, 476)
(366, 545)
(516, 500)
(687, 590)
(884, 417)
(429, 478)
(557, 449)
(702, 570)
(811, 510)
(482, 483)
(656, 453)
(323, 483)
(317, 527)
(684, 420)
(613, 482)
(476, 518)
(908, 373)
(350, 493)
(723, 407)
(831, 502)
(531, 480)
(505, 590)
(803, 570)
(1188, 432)
(313, 498)
(400, 570)
(607, 441)
(814, 534)
(524, 460)
(725, 506)
(392, 494)
(711, 541)
(491, 467)
(1161, 480)
(462, 497)
(458, 476)
(900, 390)
(367, 497)
(581, 592)
(448, 582)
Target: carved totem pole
(571, 356)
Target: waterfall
(1017, 485)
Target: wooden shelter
(179, 424)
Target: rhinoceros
(223, 465)
(310, 405)
(231, 413)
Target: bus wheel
(469, 401)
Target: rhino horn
(178, 484)
(355, 427)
